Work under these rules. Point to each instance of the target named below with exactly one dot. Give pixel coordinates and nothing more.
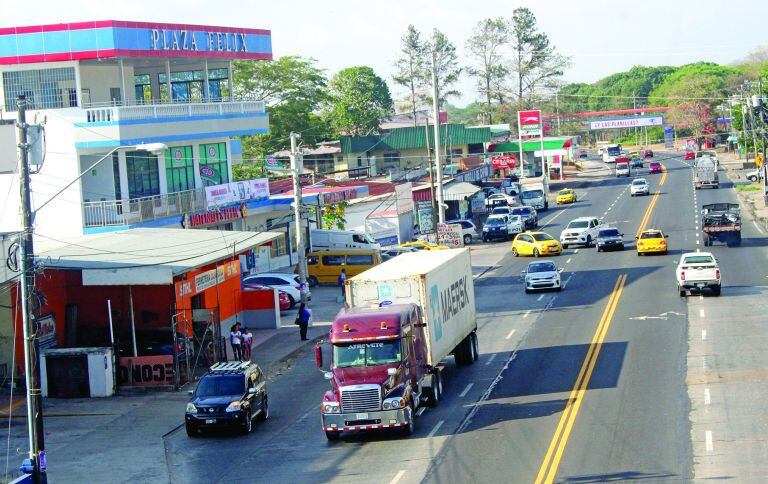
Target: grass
(748, 188)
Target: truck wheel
(716, 290)
(707, 242)
(473, 345)
(332, 435)
(681, 291)
(410, 426)
(737, 242)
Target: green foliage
(248, 171)
(446, 66)
(333, 216)
(490, 71)
(470, 114)
(358, 99)
(411, 66)
(699, 80)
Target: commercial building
(557, 152)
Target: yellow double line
(560, 439)
(655, 198)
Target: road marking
(529, 312)
(568, 261)
(420, 411)
(510, 334)
(576, 251)
(466, 390)
(493, 357)
(703, 334)
(541, 296)
(701, 313)
(435, 429)
(397, 477)
(701, 297)
(697, 242)
(555, 216)
(655, 198)
(707, 397)
(757, 226)
(704, 362)
(708, 439)
(554, 453)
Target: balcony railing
(137, 210)
(181, 110)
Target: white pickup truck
(581, 231)
(696, 271)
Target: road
(597, 382)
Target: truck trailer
(721, 222)
(705, 173)
(406, 316)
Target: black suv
(230, 395)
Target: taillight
(297, 287)
(682, 276)
(717, 274)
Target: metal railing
(136, 210)
(219, 107)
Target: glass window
(179, 169)
(360, 260)
(333, 260)
(116, 176)
(312, 260)
(219, 386)
(652, 235)
(143, 177)
(370, 354)
(213, 164)
(360, 239)
(44, 88)
(542, 237)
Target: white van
(341, 239)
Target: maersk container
(438, 281)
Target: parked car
(654, 167)
(542, 275)
(500, 199)
(283, 281)
(753, 176)
(324, 267)
(583, 154)
(639, 186)
(396, 251)
(647, 153)
(230, 395)
(421, 245)
(502, 226)
(282, 296)
(505, 210)
(468, 230)
(609, 239)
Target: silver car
(639, 186)
(542, 274)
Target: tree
(410, 66)
(334, 216)
(536, 63)
(490, 74)
(358, 99)
(446, 67)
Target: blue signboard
(669, 136)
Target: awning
(459, 191)
(144, 256)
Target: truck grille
(366, 400)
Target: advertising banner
(240, 191)
(529, 122)
(425, 216)
(205, 280)
(450, 235)
(45, 328)
(502, 162)
(145, 371)
(626, 122)
(669, 136)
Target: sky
(601, 37)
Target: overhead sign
(626, 122)
(451, 235)
(207, 279)
(337, 196)
(529, 122)
(214, 216)
(240, 191)
(503, 162)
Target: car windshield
(500, 210)
(578, 224)
(366, 354)
(542, 237)
(651, 235)
(220, 385)
(521, 211)
(698, 259)
(541, 267)
(533, 194)
(608, 233)
(565, 192)
(514, 218)
(655, 165)
(496, 221)
(639, 182)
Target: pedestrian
(247, 342)
(235, 339)
(303, 318)
(341, 281)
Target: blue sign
(385, 290)
(669, 136)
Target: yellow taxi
(633, 154)
(566, 195)
(421, 245)
(651, 241)
(535, 244)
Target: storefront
(556, 152)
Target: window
(143, 177)
(44, 88)
(213, 164)
(312, 260)
(333, 260)
(116, 176)
(360, 260)
(142, 88)
(188, 85)
(392, 157)
(359, 239)
(179, 169)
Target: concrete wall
(98, 183)
(99, 78)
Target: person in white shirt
(247, 342)
(235, 339)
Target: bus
(610, 152)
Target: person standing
(303, 318)
(247, 342)
(235, 339)
(341, 281)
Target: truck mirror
(328, 375)
(318, 356)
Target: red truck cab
(378, 359)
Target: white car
(279, 280)
(753, 175)
(542, 274)
(696, 271)
(468, 230)
(639, 186)
(500, 199)
(581, 231)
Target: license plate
(361, 416)
(210, 420)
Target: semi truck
(387, 350)
(705, 173)
(721, 222)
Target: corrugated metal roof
(409, 138)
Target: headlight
(191, 408)
(233, 407)
(485, 229)
(392, 403)
(330, 407)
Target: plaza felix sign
(163, 39)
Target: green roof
(405, 138)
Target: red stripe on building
(97, 24)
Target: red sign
(530, 118)
(207, 279)
(503, 162)
(214, 216)
(146, 371)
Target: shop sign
(45, 329)
(233, 192)
(424, 209)
(338, 196)
(529, 122)
(207, 279)
(478, 205)
(163, 39)
(503, 162)
(214, 216)
(451, 235)
(146, 371)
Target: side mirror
(523, 272)
(318, 356)
(622, 235)
(636, 237)
(391, 371)
(328, 375)
(252, 391)
(666, 236)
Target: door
(68, 376)
(526, 245)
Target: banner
(503, 162)
(404, 197)
(669, 136)
(207, 279)
(145, 371)
(529, 122)
(451, 235)
(626, 122)
(424, 209)
(233, 192)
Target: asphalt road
(584, 385)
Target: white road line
(510, 334)
(757, 226)
(576, 251)
(466, 390)
(568, 261)
(703, 334)
(529, 312)
(435, 429)
(697, 242)
(701, 313)
(701, 297)
(708, 440)
(541, 296)
(397, 477)
(493, 357)
(555, 216)
(707, 397)
(704, 362)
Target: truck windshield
(533, 194)
(578, 224)
(366, 354)
(613, 150)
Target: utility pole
(31, 358)
(297, 166)
(431, 178)
(438, 166)
(761, 107)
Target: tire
(565, 246)
(707, 242)
(408, 430)
(535, 252)
(514, 252)
(312, 281)
(264, 414)
(716, 290)
(559, 288)
(292, 301)
(192, 431)
(639, 254)
(332, 435)
(247, 422)
(467, 239)
(473, 346)
(438, 390)
(681, 291)
(598, 248)
(527, 291)
(485, 239)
